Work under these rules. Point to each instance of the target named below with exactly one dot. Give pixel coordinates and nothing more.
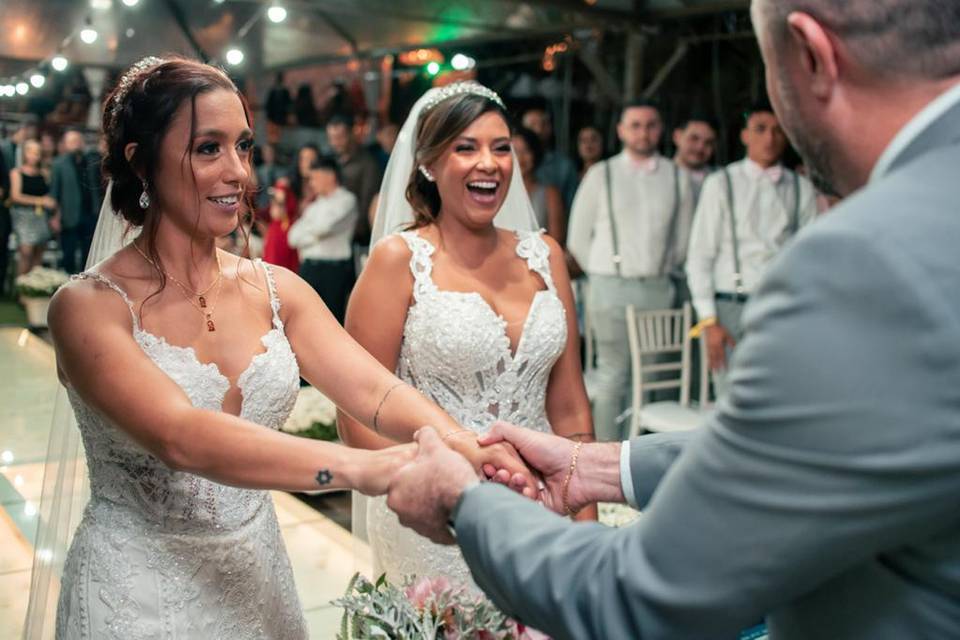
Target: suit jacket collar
(938, 125)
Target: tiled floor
(324, 555)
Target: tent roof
(315, 31)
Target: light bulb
(277, 13)
(59, 63)
(234, 56)
(88, 35)
(37, 80)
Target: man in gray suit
(824, 493)
(75, 185)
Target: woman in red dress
(287, 200)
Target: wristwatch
(452, 518)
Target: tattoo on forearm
(324, 477)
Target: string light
(37, 80)
(276, 13)
(88, 34)
(234, 56)
(59, 63)
(22, 88)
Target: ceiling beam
(181, 20)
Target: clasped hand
(424, 492)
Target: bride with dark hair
(181, 362)
(466, 300)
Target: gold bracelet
(565, 488)
(697, 330)
(455, 433)
(376, 414)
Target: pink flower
(425, 591)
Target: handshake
(562, 474)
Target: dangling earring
(144, 197)
(426, 174)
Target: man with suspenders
(629, 227)
(746, 212)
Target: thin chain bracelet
(565, 488)
(376, 414)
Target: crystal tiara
(462, 88)
(127, 80)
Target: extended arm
(806, 470)
(98, 357)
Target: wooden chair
(660, 348)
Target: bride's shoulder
(87, 300)
(390, 252)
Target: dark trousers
(333, 280)
(75, 244)
(6, 228)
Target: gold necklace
(201, 306)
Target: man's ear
(817, 54)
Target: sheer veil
(394, 212)
(65, 485)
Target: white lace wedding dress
(168, 555)
(455, 350)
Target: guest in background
(359, 170)
(589, 148)
(696, 140)
(764, 204)
(304, 108)
(267, 172)
(48, 150)
(287, 199)
(75, 185)
(323, 236)
(12, 148)
(628, 231)
(556, 169)
(31, 206)
(545, 198)
(386, 137)
(278, 109)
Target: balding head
(919, 38)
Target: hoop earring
(144, 197)
(426, 173)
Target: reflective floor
(324, 554)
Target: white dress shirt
(643, 203)
(325, 230)
(764, 202)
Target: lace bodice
(456, 351)
(208, 555)
(122, 472)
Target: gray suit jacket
(824, 493)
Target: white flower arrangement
(41, 282)
(314, 415)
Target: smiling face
(201, 190)
(695, 144)
(764, 139)
(474, 171)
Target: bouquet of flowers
(423, 609)
(313, 416)
(40, 282)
